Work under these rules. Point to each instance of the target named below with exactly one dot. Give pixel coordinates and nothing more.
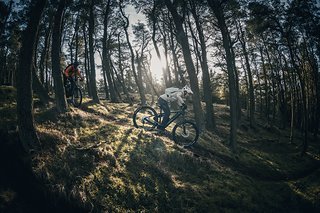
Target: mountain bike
(73, 93)
(185, 132)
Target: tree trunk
(166, 69)
(107, 70)
(37, 86)
(183, 40)
(48, 75)
(27, 132)
(207, 91)
(139, 73)
(154, 23)
(237, 81)
(115, 85)
(266, 86)
(60, 97)
(273, 86)
(86, 60)
(242, 40)
(218, 12)
(106, 56)
(282, 85)
(105, 84)
(76, 28)
(304, 98)
(93, 83)
(121, 77)
(317, 113)
(178, 72)
(5, 19)
(139, 84)
(39, 89)
(44, 52)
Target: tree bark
(86, 60)
(93, 83)
(266, 86)
(178, 72)
(105, 84)
(27, 132)
(39, 89)
(139, 84)
(60, 97)
(165, 70)
(107, 69)
(44, 52)
(121, 77)
(183, 40)
(242, 40)
(207, 90)
(304, 98)
(218, 12)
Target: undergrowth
(96, 156)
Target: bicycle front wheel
(145, 117)
(77, 97)
(185, 133)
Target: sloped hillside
(95, 158)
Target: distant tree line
(262, 56)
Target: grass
(96, 156)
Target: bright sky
(156, 65)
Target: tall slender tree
(93, 84)
(243, 42)
(139, 83)
(106, 44)
(183, 41)
(217, 8)
(27, 132)
(60, 97)
(207, 90)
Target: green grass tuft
(95, 155)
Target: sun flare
(157, 66)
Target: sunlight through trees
(262, 57)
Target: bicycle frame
(176, 115)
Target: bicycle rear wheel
(145, 117)
(185, 133)
(76, 97)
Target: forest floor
(93, 157)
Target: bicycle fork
(185, 132)
(146, 119)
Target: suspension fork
(160, 116)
